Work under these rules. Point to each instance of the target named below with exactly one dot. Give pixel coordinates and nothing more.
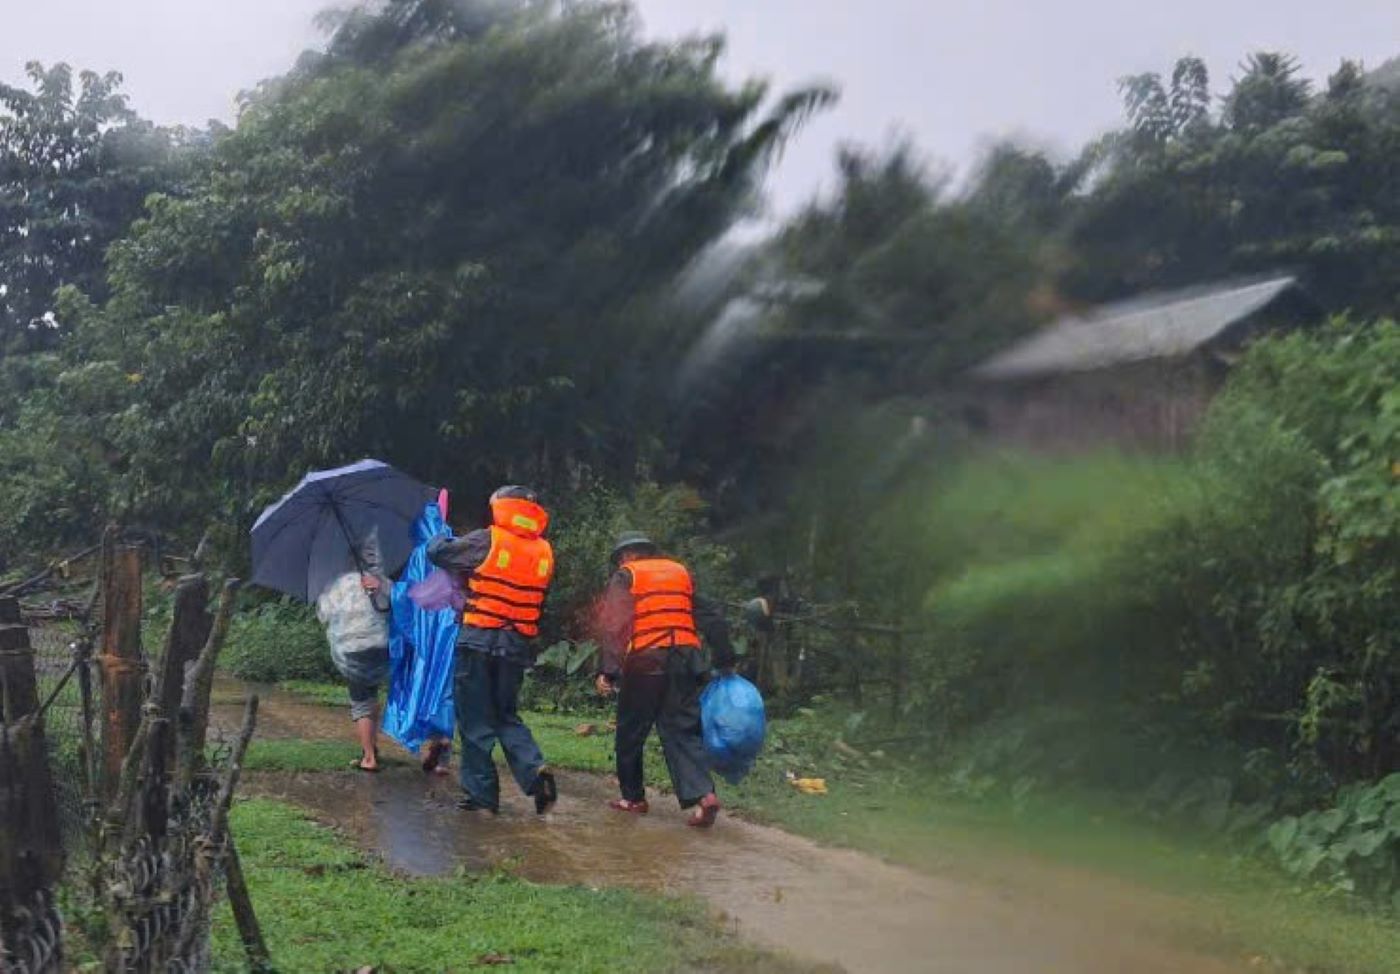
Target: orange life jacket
(508, 590)
(663, 611)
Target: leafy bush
(584, 530)
(55, 480)
(1030, 600)
(561, 679)
(1245, 593)
(1281, 581)
(277, 641)
(1354, 845)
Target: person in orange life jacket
(651, 623)
(506, 570)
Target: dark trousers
(363, 697)
(662, 687)
(487, 690)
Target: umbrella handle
(349, 538)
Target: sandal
(705, 813)
(627, 805)
(359, 765)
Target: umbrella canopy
(319, 530)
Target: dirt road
(780, 890)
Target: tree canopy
(438, 245)
(76, 164)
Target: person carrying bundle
(651, 624)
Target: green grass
(324, 907)
(563, 747)
(318, 692)
(296, 755)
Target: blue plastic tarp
(734, 725)
(422, 650)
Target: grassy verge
(324, 907)
(295, 755)
(313, 691)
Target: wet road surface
(779, 890)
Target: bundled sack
(358, 632)
(734, 725)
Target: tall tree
(434, 244)
(1281, 180)
(887, 291)
(75, 165)
(1268, 91)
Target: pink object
(442, 503)
(440, 590)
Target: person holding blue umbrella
(335, 539)
(355, 611)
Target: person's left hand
(369, 583)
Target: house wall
(1149, 407)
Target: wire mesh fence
(61, 665)
(137, 785)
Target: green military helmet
(629, 540)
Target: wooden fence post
(189, 630)
(31, 850)
(121, 662)
(193, 723)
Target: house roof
(1167, 325)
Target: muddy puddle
(776, 889)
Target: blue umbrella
(319, 529)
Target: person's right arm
(614, 626)
(462, 555)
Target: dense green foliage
(1354, 845)
(446, 257)
(276, 641)
(1281, 177)
(75, 167)
(1245, 593)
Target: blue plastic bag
(422, 650)
(734, 725)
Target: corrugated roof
(1163, 326)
